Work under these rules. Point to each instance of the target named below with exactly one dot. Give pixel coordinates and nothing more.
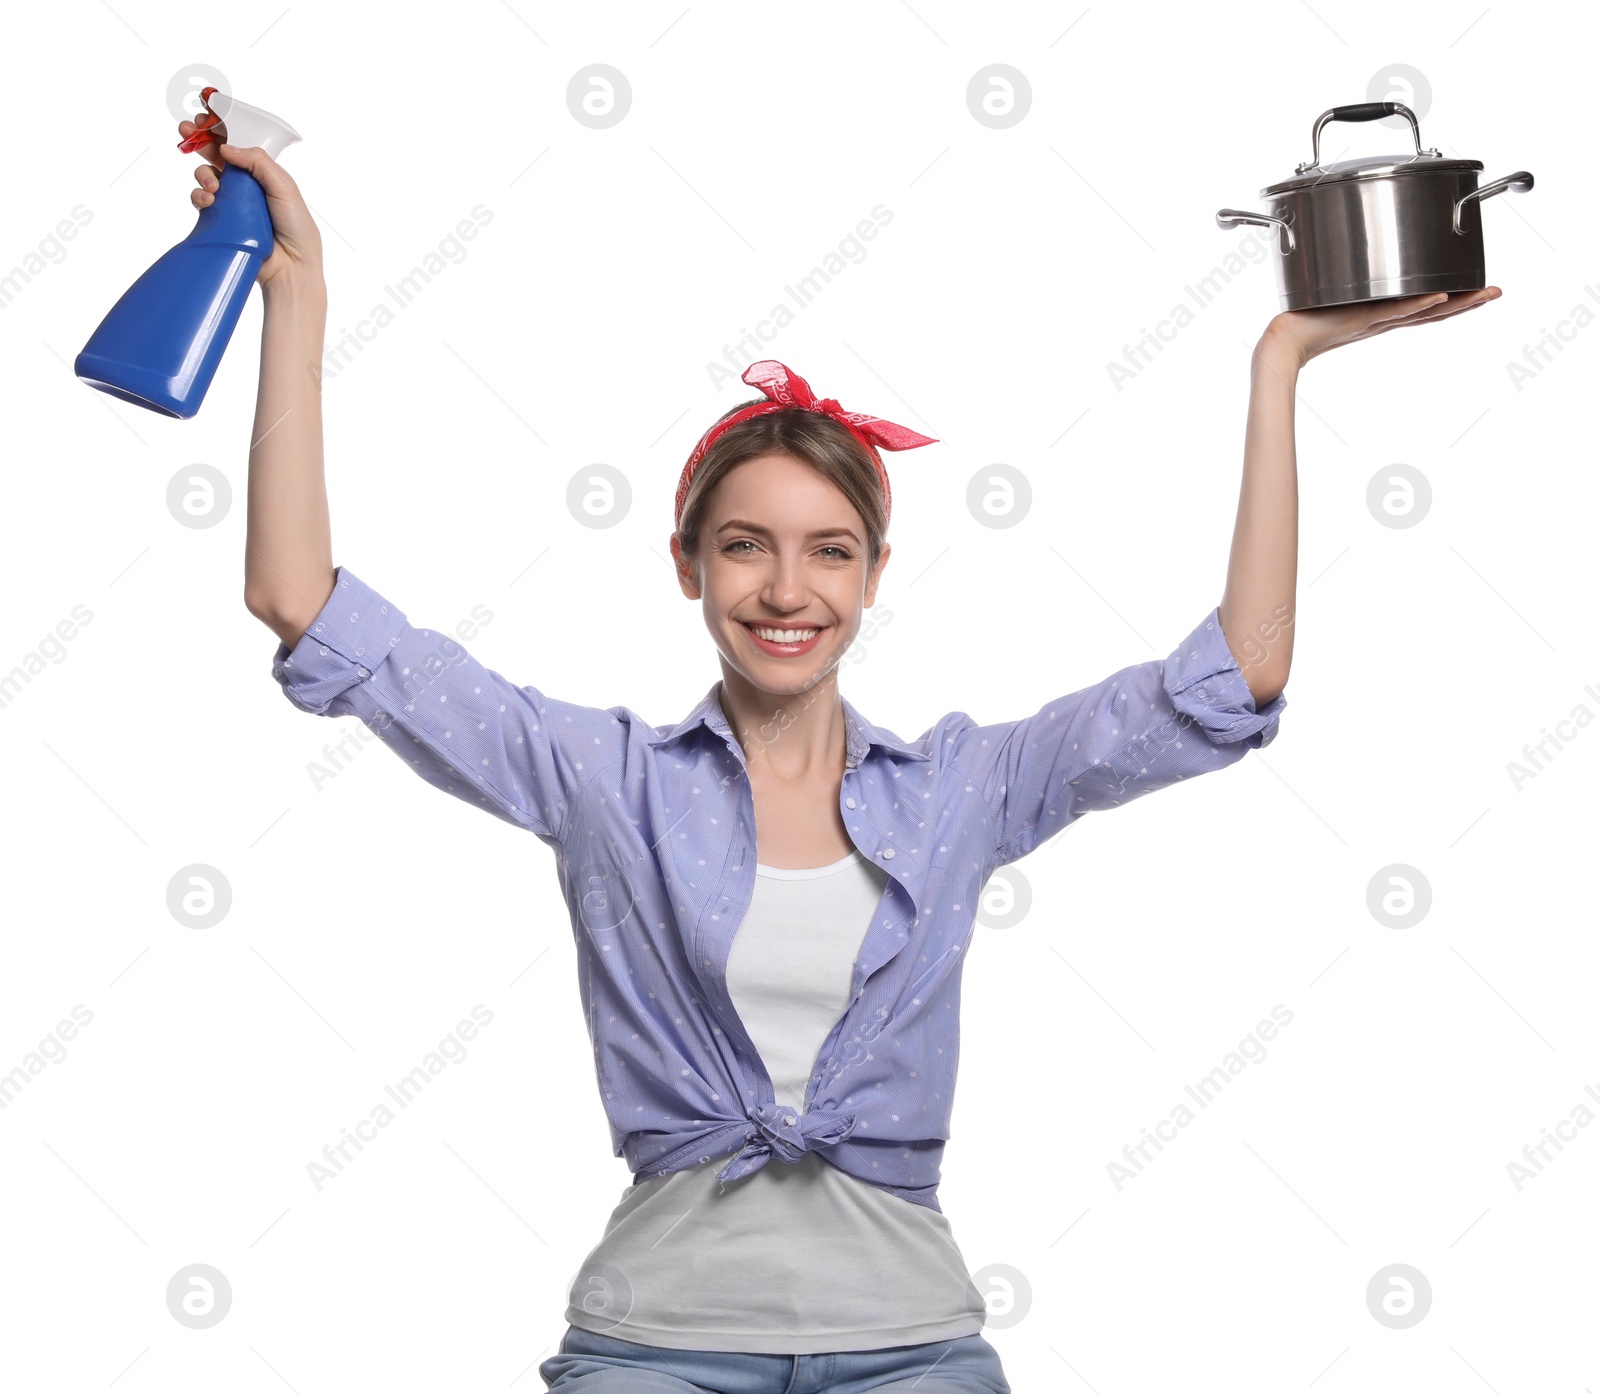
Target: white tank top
(795, 1259)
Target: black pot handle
(1366, 111)
(1361, 111)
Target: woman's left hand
(1306, 333)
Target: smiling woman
(783, 511)
(771, 899)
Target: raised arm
(1257, 609)
(344, 648)
(288, 547)
(1258, 604)
(1220, 692)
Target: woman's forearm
(288, 545)
(1257, 609)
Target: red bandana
(784, 388)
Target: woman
(772, 898)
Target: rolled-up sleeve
(1143, 728)
(462, 727)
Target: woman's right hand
(297, 243)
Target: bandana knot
(783, 388)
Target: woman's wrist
(1278, 351)
(298, 286)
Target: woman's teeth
(783, 636)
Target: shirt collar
(860, 734)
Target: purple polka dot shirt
(653, 830)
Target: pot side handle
(1520, 182)
(1232, 217)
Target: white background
(370, 915)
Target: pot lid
(1420, 161)
(1370, 167)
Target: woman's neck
(793, 737)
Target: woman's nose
(785, 587)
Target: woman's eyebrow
(745, 526)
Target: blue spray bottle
(160, 345)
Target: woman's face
(782, 550)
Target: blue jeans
(590, 1363)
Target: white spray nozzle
(249, 125)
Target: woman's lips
(784, 650)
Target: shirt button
(888, 852)
(789, 1119)
(849, 803)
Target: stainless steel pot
(1379, 227)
